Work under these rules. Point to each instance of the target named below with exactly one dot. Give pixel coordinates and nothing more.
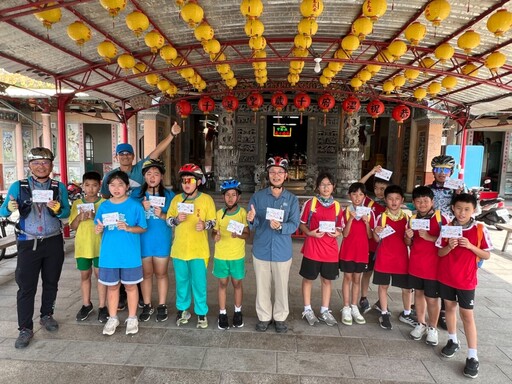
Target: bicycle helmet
(150, 163)
(443, 161)
(230, 184)
(277, 161)
(40, 153)
(192, 169)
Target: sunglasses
(41, 163)
(188, 181)
(446, 171)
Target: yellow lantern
(299, 52)
(308, 27)
(385, 56)
(500, 22)
(341, 54)
(328, 73)
(470, 70)
(356, 83)
(202, 85)
(420, 93)
(436, 11)
(373, 68)
(137, 22)
(163, 85)
(152, 79)
(388, 87)
(449, 82)
(172, 90)
(231, 83)
(335, 66)
(293, 78)
(168, 53)
(415, 32)
(254, 27)
(296, 64)
(187, 73)
(362, 27)
(374, 8)
(350, 43)
(192, 14)
(444, 52)
(468, 41)
(140, 67)
(178, 61)
(228, 75)
(411, 74)
(204, 32)
(223, 68)
(398, 81)
(218, 57)
(126, 61)
(107, 50)
(495, 61)
(427, 62)
(311, 8)
(113, 6)
(260, 72)
(295, 70)
(302, 41)
(49, 17)
(257, 43)
(325, 81)
(79, 32)
(397, 49)
(433, 88)
(196, 79)
(364, 75)
(251, 9)
(154, 40)
(259, 65)
(212, 46)
(261, 81)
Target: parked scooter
(74, 191)
(490, 207)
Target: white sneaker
(132, 326)
(432, 336)
(356, 315)
(310, 317)
(418, 332)
(346, 316)
(110, 326)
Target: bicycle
(7, 227)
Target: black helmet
(150, 163)
(443, 161)
(40, 153)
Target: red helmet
(192, 169)
(277, 161)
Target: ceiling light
(317, 65)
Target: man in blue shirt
(273, 215)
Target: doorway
(97, 147)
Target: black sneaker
(376, 306)
(121, 306)
(407, 319)
(385, 321)
(23, 339)
(442, 320)
(141, 303)
(238, 320)
(262, 326)
(161, 313)
(49, 323)
(147, 311)
(364, 305)
(471, 368)
(281, 326)
(223, 322)
(450, 348)
(84, 312)
(103, 314)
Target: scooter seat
(491, 201)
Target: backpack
(312, 210)
(26, 197)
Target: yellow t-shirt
(87, 242)
(188, 243)
(229, 248)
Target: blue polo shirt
(135, 176)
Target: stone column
(349, 156)
(312, 151)
(226, 153)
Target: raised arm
(160, 148)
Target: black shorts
(465, 298)
(309, 269)
(396, 279)
(429, 287)
(352, 266)
(371, 262)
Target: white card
(110, 218)
(384, 174)
(362, 211)
(418, 224)
(186, 208)
(275, 214)
(453, 183)
(42, 195)
(156, 201)
(451, 231)
(387, 231)
(503, 213)
(327, 226)
(85, 207)
(235, 227)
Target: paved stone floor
(164, 353)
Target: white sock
(472, 354)
(407, 312)
(307, 307)
(238, 309)
(453, 337)
(323, 309)
(223, 312)
(353, 306)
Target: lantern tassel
(254, 119)
(374, 121)
(399, 129)
(301, 118)
(325, 119)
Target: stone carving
(311, 173)
(349, 158)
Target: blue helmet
(230, 184)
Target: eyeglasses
(277, 173)
(326, 185)
(41, 163)
(188, 181)
(124, 153)
(442, 170)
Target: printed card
(384, 174)
(418, 224)
(275, 214)
(235, 227)
(186, 208)
(110, 218)
(503, 213)
(453, 183)
(85, 207)
(362, 211)
(42, 195)
(327, 226)
(451, 231)
(157, 201)
(387, 231)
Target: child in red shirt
(457, 275)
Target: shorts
(397, 279)
(352, 266)
(429, 287)
(465, 298)
(83, 264)
(112, 276)
(371, 262)
(222, 269)
(157, 256)
(309, 269)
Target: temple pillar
(349, 156)
(226, 154)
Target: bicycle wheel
(7, 228)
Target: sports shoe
(49, 323)
(385, 321)
(356, 315)
(364, 305)
(281, 326)
(407, 319)
(23, 339)
(238, 319)
(328, 318)
(223, 322)
(102, 314)
(310, 316)
(161, 313)
(141, 304)
(346, 316)
(442, 320)
(121, 306)
(262, 326)
(132, 325)
(202, 322)
(450, 348)
(110, 326)
(418, 332)
(432, 336)
(182, 317)
(376, 306)
(84, 312)
(147, 311)
(471, 368)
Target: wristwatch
(279, 228)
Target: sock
(453, 337)
(222, 311)
(307, 307)
(238, 309)
(353, 306)
(384, 312)
(472, 354)
(323, 309)
(113, 317)
(407, 312)
(132, 317)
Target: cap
(124, 147)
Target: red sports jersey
(325, 248)
(392, 255)
(458, 269)
(355, 247)
(377, 209)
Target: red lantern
(351, 105)
(279, 101)
(401, 113)
(302, 101)
(255, 102)
(326, 102)
(206, 104)
(375, 108)
(230, 103)
(183, 108)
